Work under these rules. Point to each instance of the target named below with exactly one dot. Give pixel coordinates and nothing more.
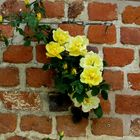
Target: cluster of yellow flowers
(91, 63)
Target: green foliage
(98, 112)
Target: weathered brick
(8, 122)
(102, 11)
(114, 78)
(41, 124)
(6, 30)
(18, 54)
(92, 48)
(130, 35)
(10, 7)
(17, 138)
(75, 8)
(41, 54)
(131, 15)
(118, 56)
(107, 126)
(58, 6)
(21, 101)
(65, 123)
(127, 104)
(135, 127)
(101, 34)
(36, 77)
(134, 80)
(73, 29)
(9, 77)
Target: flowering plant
(78, 72)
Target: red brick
(7, 30)
(8, 122)
(17, 138)
(75, 8)
(131, 15)
(101, 34)
(58, 6)
(118, 56)
(130, 35)
(21, 101)
(41, 124)
(107, 126)
(135, 127)
(102, 11)
(41, 54)
(73, 29)
(127, 104)
(9, 76)
(36, 77)
(114, 78)
(10, 7)
(134, 80)
(106, 106)
(65, 123)
(18, 54)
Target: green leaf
(105, 87)
(6, 41)
(79, 98)
(104, 94)
(78, 86)
(98, 112)
(20, 31)
(27, 43)
(95, 91)
(46, 66)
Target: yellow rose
(27, 2)
(1, 18)
(90, 102)
(39, 16)
(54, 49)
(91, 59)
(77, 46)
(91, 76)
(61, 36)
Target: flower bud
(74, 71)
(1, 18)
(65, 66)
(27, 2)
(39, 16)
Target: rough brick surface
(10, 7)
(127, 104)
(75, 8)
(73, 29)
(18, 54)
(9, 77)
(21, 101)
(130, 35)
(131, 15)
(107, 126)
(41, 54)
(118, 56)
(36, 77)
(58, 6)
(102, 11)
(65, 123)
(134, 80)
(6, 30)
(7, 122)
(41, 124)
(115, 79)
(100, 34)
(135, 127)
(17, 138)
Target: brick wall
(29, 112)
